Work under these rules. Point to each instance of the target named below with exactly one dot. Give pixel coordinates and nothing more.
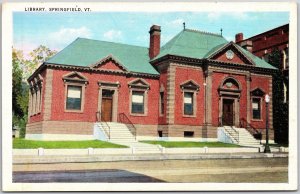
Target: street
(262, 170)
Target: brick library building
(195, 84)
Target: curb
(139, 157)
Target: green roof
(84, 52)
(192, 43)
(200, 45)
(258, 61)
(188, 43)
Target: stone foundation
(60, 130)
(84, 130)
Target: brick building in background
(263, 45)
(186, 89)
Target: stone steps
(243, 136)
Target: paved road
(218, 170)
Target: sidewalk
(17, 159)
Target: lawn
(185, 144)
(30, 144)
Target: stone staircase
(241, 137)
(119, 133)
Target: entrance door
(106, 105)
(228, 112)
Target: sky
(57, 30)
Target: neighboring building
(264, 43)
(187, 88)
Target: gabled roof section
(190, 84)
(227, 46)
(202, 45)
(139, 83)
(192, 43)
(107, 59)
(74, 76)
(257, 92)
(84, 52)
(258, 61)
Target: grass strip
(31, 144)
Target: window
(162, 103)
(160, 134)
(188, 133)
(74, 96)
(286, 58)
(137, 102)
(256, 108)
(188, 103)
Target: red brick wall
(110, 65)
(269, 40)
(91, 98)
(217, 79)
(235, 59)
(262, 83)
(39, 117)
(183, 74)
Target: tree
(17, 75)
(22, 69)
(280, 109)
(37, 57)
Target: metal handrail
(233, 136)
(250, 128)
(122, 118)
(98, 117)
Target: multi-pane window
(137, 102)
(256, 108)
(162, 103)
(35, 101)
(74, 96)
(188, 103)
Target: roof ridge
(112, 42)
(203, 32)
(176, 40)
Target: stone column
(248, 80)
(48, 95)
(170, 94)
(208, 98)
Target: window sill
(189, 116)
(138, 115)
(74, 111)
(257, 120)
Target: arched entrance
(229, 102)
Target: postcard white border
(8, 8)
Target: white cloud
(56, 40)
(26, 47)
(66, 35)
(113, 35)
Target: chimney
(154, 47)
(239, 37)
